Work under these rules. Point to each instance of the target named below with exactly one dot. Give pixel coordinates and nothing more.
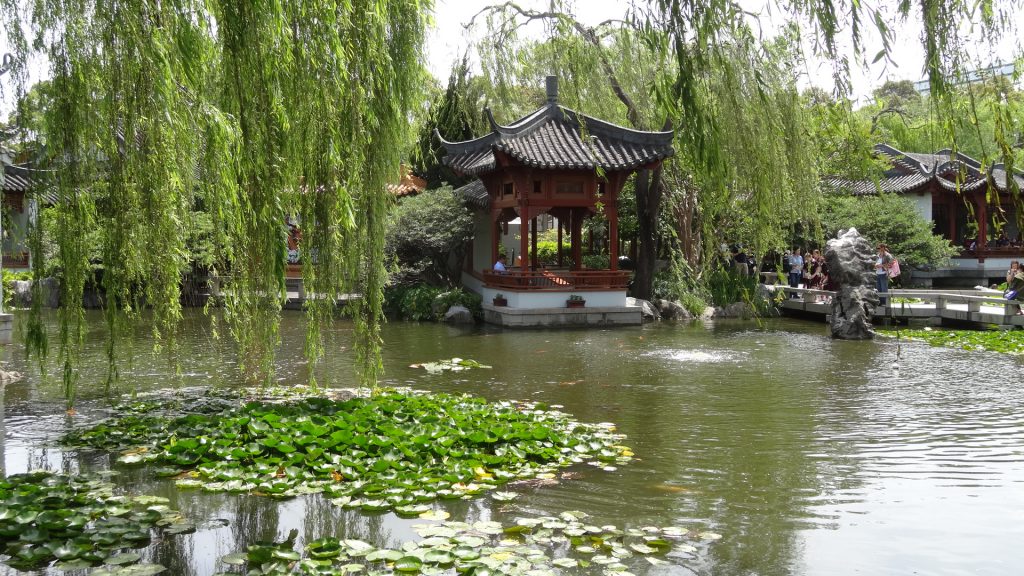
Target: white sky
(448, 40)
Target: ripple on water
(699, 356)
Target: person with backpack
(883, 269)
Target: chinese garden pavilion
(965, 201)
(558, 162)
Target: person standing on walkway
(882, 264)
(796, 269)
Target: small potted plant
(499, 300)
(575, 301)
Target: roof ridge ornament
(551, 83)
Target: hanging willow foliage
(249, 112)
(744, 138)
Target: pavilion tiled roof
(557, 137)
(474, 194)
(913, 171)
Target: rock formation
(851, 261)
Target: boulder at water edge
(851, 261)
(458, 315)
(672, 310)
(647, 310)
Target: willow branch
(587, 33)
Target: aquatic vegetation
(453, 365)
(543, 545)
(392, 451)
(78, 521)
(1005, 341)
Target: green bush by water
(422, 302)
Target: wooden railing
(557, 280)
(935, 301)
(16, 260)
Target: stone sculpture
(851, 261)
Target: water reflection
(809, 456)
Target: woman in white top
(882, 264)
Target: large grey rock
(851, 261)
(672, 310)
(458, 315)
(51, 292)
(21, 294)
(735, 310)
(647, 310)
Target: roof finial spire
(552, 87)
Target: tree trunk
(648, 207)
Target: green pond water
(808, 456)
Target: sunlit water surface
(810, 456)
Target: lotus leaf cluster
(453, 365)
(392, 451)
(78, 521)
(536, 546)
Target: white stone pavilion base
(562, 316)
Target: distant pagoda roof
(409, 185)
(556, 137)
(912, 171)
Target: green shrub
(596, 261)
(460, 297)
(547, 253)
(9, 278)
(727, 287)
(891, 219)
(423, 302)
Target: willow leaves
(244, 113)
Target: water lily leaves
(74, 519)
(125, 558)
(453, 365)
(415, 447)
(135, 570)
(235, 559)
(408, 564)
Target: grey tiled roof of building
(557, 137)
(913, 171)
(475, 194)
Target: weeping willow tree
(745, 141)
(254, 111)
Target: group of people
(811, 270)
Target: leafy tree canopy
(427, 235)
(890, 219)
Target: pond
(808, 456)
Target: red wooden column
(982, 223)
(533, 243)
(560, 224)
(612, 210)
(524, 237)
(613, 238)
(495, 237)
(576, 238)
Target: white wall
(538, 299)
(922, 204)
